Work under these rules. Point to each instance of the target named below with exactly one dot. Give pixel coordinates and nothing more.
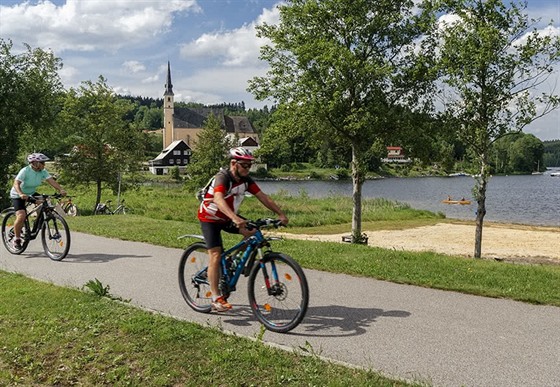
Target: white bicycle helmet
(241, 153)
(37, 157)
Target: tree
(526, 154)
(210, 154)
(491, 59)
(29, 89)
(103, 144)
(551, 157)
(346, 70)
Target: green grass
(60, 336)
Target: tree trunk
(98, 195)
(357, 181)
(482, 182)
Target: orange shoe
(221, 305)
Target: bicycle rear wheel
(193, 278)
(278, 292)
(71, 210)
(8, 234)
(55, 236)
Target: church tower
(168, 110)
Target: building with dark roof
(186, 123)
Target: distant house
(177, 154)
(249, 143)
(395, 154)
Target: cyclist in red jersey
(218, 212)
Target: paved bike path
(437, 337)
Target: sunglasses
(245, 165)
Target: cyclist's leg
(213, 239)
(19, 207)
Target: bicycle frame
(253, 246)
(32, 233)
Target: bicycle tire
(194, 286)
(283, 310)
(8, 233)
(71, 210)
(55, 236)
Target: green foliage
(261, 172)
(551, 157)
(103, 144)
(153, 144)
(210, 154)
(175, 174)
(29, 89)
(97, 288)
(517, 153)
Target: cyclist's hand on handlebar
(284, 219)
(239, 222)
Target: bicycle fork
(274, 288)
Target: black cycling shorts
(18, 204)
(212, 232)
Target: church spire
(168, 85)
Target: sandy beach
(515, 243)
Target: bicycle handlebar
(260, 223)
(34, 199)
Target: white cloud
(133, 66)
(238, 47)
(87, 25)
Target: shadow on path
(87, 258)
(323, 321)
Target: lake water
(527, 199)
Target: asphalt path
(430, 336)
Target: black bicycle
(55, 233)
(277, 287)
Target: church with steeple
(186, 123)
(181, 127)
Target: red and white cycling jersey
(208, 211)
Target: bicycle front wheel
(55, 235)
(193, 278)
(278, 292)
(8, 234)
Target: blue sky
(211, 45)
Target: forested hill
(551, 156)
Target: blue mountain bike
(277, 287)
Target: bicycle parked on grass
(105, 208)
(55, 233)
(68, 206)
(277, 287)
